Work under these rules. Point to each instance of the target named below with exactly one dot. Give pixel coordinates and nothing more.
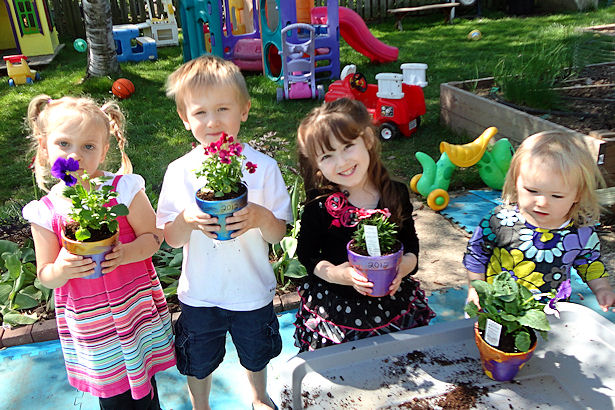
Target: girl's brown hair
(345, 120)
(567, 155)
(41, 109)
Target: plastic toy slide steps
(355, 32)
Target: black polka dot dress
(330, 314)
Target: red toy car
(396, 103)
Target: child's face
(346, 164)
(213, 110)
(71, 138)
(543, 196)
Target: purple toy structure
(299, 64)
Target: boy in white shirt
(224, 285)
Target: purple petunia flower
(62, 169)
(563, 292)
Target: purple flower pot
(380, 270)
(222, 209)
(93, 250)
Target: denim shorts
(200, 337)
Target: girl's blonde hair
(345, 120)
(205, 71)
(569, 156)
(42, 108)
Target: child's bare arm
(177, 233)
(604, 293)
(343, 274)
(148, 239)
(55, 265)
(257, 216)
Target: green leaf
(23, 301)
(120, 210)
(289, 245)
(522, 341)
(7, 246)
(12, 264)
(15, 318)
(82, 234)
(295, 269)
(536, 319)
(5, 291)
(471, 309)
(177, 259)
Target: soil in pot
(361, 251)
(210, 196)
(96, 234)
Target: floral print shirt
(540, 259)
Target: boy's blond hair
(569, 156)
(205, 71)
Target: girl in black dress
(339, 158)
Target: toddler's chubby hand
(248, 217)
(71, 266)
(113, 259)
(606, 299)
(201, 221)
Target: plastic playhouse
(222, 28)
(164, 29)
(298, 62)
(18, 70)
(396, 103)
(131, 46)
(492, 166)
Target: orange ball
(123, 88)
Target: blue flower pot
(222, 209)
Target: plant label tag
(492, 333)
(371, 240)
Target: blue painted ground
(34, 375)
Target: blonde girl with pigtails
(123, 313)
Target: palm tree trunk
(102, 58)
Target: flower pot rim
(394, 254)
(92, 243)
(495, 349)
(245, 193)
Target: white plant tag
(492, 333)
(371, 240)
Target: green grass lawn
(156, 135)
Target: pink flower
(251, 167)
(213, 148)
(236, 149)
(335, 204)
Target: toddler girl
(339, 157)
(115, 330)
(544, 230)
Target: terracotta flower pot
(94, 250)
(223, 209)
(499, 365)
(380, 270)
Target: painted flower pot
(223, 209)
(380, 270)
(94, 250)
(499, 365)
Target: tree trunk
(102, 58)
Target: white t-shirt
(37, 212)
(233, 274)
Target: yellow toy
(18, 70)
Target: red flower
(335, 204)
(213, 147)
(251, 167)
(236, 149)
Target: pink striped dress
(115, 330)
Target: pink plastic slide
(355, 32)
